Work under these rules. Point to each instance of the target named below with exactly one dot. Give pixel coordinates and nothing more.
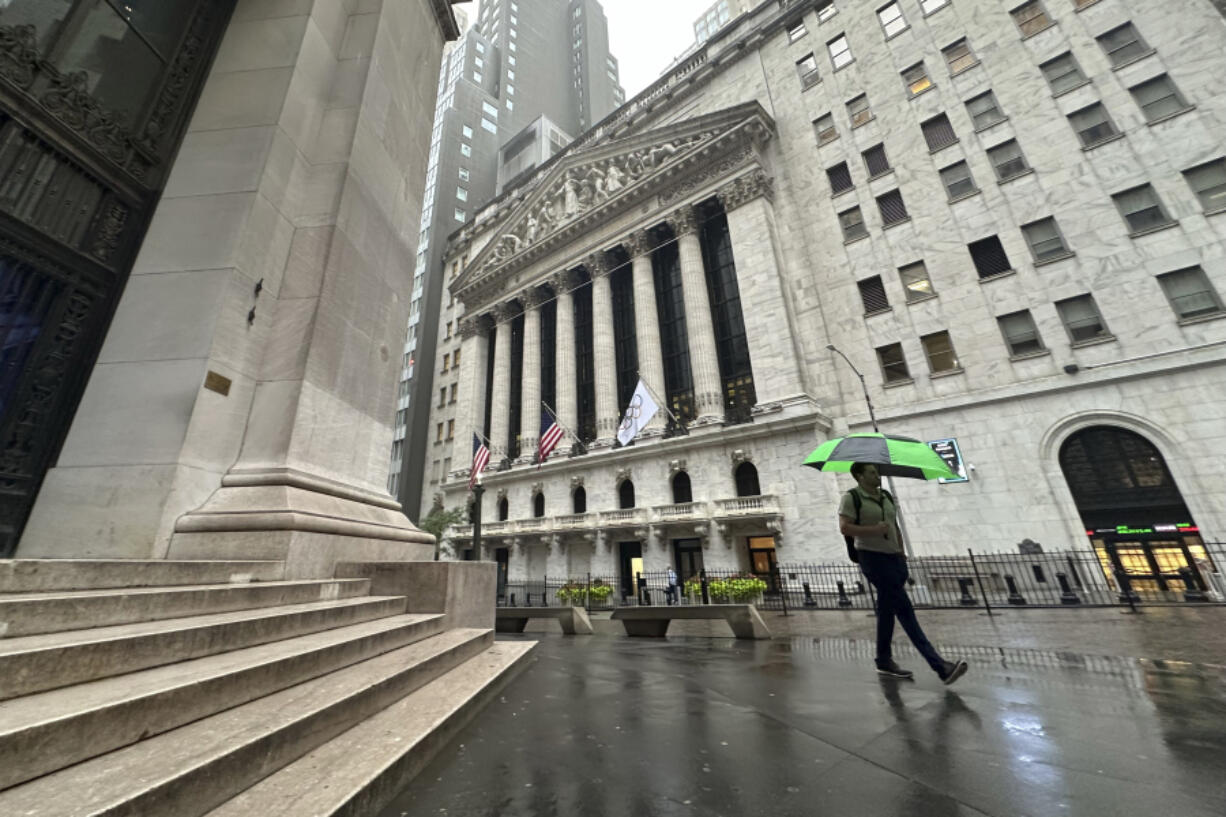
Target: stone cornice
(446, 17)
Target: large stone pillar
(647, 324)
(777, 374)
(500, 406)
(603, 351)
(470, 406)
(530, 384)
(564, 372)
(704, 362)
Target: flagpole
(554, 414)
(661, 403)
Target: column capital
(564, 281)
(532, 297)
(597, 265)
(745, 189)
(503, 311)
(638, 243)
(474, 325)
(683, 220)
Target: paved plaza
(800, 725)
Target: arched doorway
(625, 494)
(1131, 507)
(682, 492)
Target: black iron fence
(1114, 576)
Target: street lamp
(478, 492)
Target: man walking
(670, 593)
(868, 513)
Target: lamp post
(872, 416)
(478, 492)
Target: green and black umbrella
(894, 456)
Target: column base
(309, 522)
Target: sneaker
(953, 671)
(892, 670)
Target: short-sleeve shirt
(873, 511)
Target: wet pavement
(608, 726)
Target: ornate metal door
(94, 98)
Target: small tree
(438, 520)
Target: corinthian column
(704, 363)
(474, 362)
(530, 385)
(500, 408)
(564, 372)
(647, 322)
(603, 350)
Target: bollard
(967, 599)
(843, 600)
(1192, 590)
(809, 600)
(1014, 596)
(512, 599)
(1067, 596)
(702, 578)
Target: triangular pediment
(596, 181)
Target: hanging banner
(948, 450)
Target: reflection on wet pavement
(617, 727)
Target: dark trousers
(888, 573)
(670, 593)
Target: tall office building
(529, 72)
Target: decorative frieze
(18, 54)
(693, 181)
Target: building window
(872, 293)
(451, 396)
(858, 111)
(465, 149)
(1123, 45)
(455, 359)
(893, 210)
(984, 110)
(466, 131)
(512, 47)
(504, 510)
(796, 30)
(938, 132)
(477, 78)
(915, 282)
(939, 349)
(840, 178)
(1008, 161)
(625, 494)
(840, 52)
(510, 90)
(1208, 182)
(958, 181)
(1093, 125)
(958, 56)
(461, 194)
(747, 482)
(538, 504)
(463, 174)
(1031, 18)
(1159, 98)
(1020, 334)
(852, 222)
(916, 79)
(488, 125)
(451, 429)
(1142, 209)
(1190, 293)
(460, 215)
(578, 500)
(893, 364)
(480, 47)
(823, 126)
(930, 6)
(446, 361)
(1063, 74)
(891, 20)
(826, 12)
(1046, 243)
(1081, 319)
(510, 75)
(807, 68)
(510, 105)
(875, 161)
(989, 257)
(510, 60)
(438, 436)
(674, 337)
(442, 397)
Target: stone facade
(800, 280)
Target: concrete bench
(574, 620)
(653, 621)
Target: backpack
(852, 553)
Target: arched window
(625, 494)
(747, 480)
(579, 500)
(681, 488)
(503, 510)
(538, 504)
(1113, 473)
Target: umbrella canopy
(894, 456)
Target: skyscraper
(521, 61)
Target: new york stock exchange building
(782, 211)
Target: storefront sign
(948, 450)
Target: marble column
(603, 351)
(564, 372)
(530, 384)
(769, 330)
(474, 362)
(500, 407)
(704, 362)
(647, 324)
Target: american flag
(551, 435)
(481, 458)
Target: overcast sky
(644, 35)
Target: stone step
(190, 770)
(359, 771)
(48, 731)
(33, 613)
(36, 663)
(41, 575)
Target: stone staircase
(219, 688)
